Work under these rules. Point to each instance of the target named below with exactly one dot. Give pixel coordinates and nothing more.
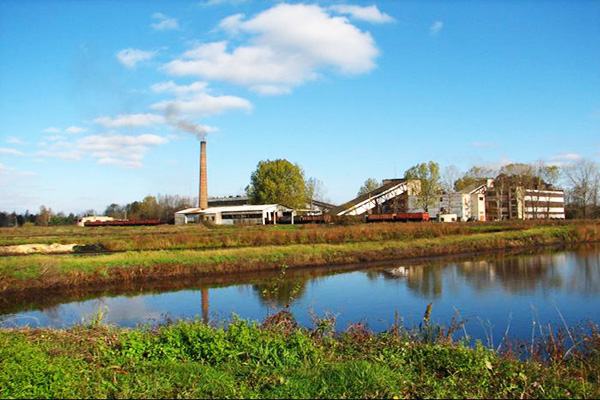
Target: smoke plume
(200, 131)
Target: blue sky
(94, 94)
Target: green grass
(277, 359)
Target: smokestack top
(203, 198)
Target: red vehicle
(315, 219)
(128, 222)
(398, 217)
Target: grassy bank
(18, 274)
(199, 237)
(278, 360)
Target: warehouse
(261, 214)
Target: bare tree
(545, 178)
(44, 218)
(315, 190)
(583, 179)
(450, 175)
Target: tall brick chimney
(203, 199)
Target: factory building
(465, 205)
(487, 201)
(518, 203)
(262, 214)
(393, 196)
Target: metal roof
(243, 208)
(371, 195)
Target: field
(111, 254)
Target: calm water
(492, 292)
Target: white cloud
(51, 129)
(55, 138)
(271, 90)
(290, 44)
(131, 57)
(130, 120)
(210, 3)
(14, 140)
(435, 28)
(127, 151)
(74, 130)
(369, 14)
(164, 22)
(567, 157)
(122, 163)
(12, 152)
(179, 90)
(564, 159)
(203, 104)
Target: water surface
(492, 292)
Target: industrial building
(393, 196)
(467, 204)
(487, 201)
(514, 202)
(261, 214)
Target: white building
(468, 204)
(93, 218)
(261, 214)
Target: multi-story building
(515, 202)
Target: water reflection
(573, 272)
(280, 292)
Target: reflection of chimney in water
(203, 199)
(205, 305)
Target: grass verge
(277, 359)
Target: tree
(314, 190)
(545, 177)
(277, 182)
(449, 176)
(583, 178)
(369, 185)
(429, 176)
(116, 211)
(44, 218)
(475, 175)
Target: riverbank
(19, 274)
(277, 359)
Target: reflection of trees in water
(280, 292)
(586, 275)
(424, 280)
(578, 271)
(372, 274)
(516, 274)
(52, 312)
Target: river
(493, 293)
